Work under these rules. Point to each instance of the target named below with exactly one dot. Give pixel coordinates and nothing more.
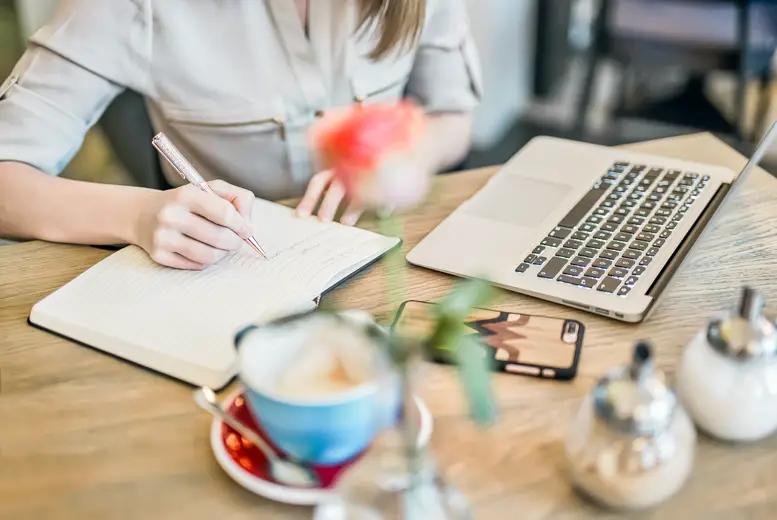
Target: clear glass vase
(397, 477)
(389, 483)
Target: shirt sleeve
(72, 70)
(446, 74)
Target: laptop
(591, 227)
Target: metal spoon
(282, 471)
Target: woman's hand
(323, 184)
(189, 229)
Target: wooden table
(86, 436)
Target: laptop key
(579, 235)
(593, 219)
(651, 228)
(663, 212)
(560, 232)
(602, 235)
(569, 279)
(522, 268)
(583, 206)
(630, 229)
(677, 216)
(638, 270)
(530, 259)
(609, 254)
(602, 211)
(594, 272)
(609, 285)
(580, 261)
(608, 226)
(671, 225)
(622, 237)
(638, 245)
(573, 244)
(595, 244)
(602, 263)
(615, 219)
(552, 268)
(646, 261)
(616, 246)
(540, 260)
(551, 242)
(573, 270)
(587, 252)
(645, 237)
(634, 221)
(631, 254)
(625, 263)
(538, 250)
(608, 204)
(648, 205)
(588, 228)
(672, 174)
(588, 283)
(631, 280)
(658, 220)
(665, 234)
(653, 251)
(623, 291)
(642, 213)
(565, 253)
(618, 272)
(629, 203)
(659, 242)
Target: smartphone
(515, 343)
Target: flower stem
(390, 225)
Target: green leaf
(475, 374)
(450, 340)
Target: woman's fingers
(334, 196)
(351, 215)
(316, 187)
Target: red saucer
(251, 458)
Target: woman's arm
(46, 108)
(34, 205)
(448, 140)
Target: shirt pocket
(252, 144)
(267, 119)
(380, 81)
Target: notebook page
(305, 252)
(188, 317)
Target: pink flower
(372, 150)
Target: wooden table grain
(87, 436)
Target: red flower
(354, 142)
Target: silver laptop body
(592, 227)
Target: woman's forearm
(34, 205)
(448, 139)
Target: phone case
(538, 346)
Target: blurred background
(602, 71)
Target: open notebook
(183, 323)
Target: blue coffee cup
(326, 428)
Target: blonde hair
(400, 23)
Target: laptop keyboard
(612, 234)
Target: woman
(235, 85)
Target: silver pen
(187, 171)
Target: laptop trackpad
(518, 200)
